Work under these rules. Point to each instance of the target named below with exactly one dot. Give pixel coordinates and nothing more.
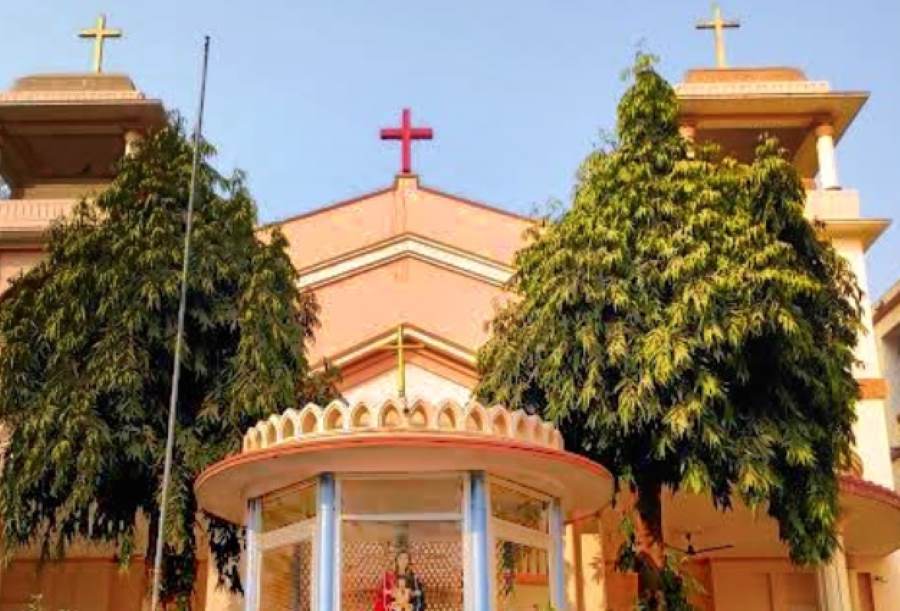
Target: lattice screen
(286, 578)
(437, 564)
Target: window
(401, 541)
(288, 506)
(286, 540)
(515, 506)
(523, 576)
(520, 524)
(407, 495)
(286, 577)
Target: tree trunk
(650, 543)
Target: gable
(440, 301)
(405, 209)
(407, 255)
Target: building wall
(887, 333)
(880, 579)
(869, 366)
(88, 583)
(14, 262)
(98, 584)
(381, 388)
(762, 585)
(871, 430)
(77, 584)
(443, 302)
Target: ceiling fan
(690, 550)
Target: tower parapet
(61, 139)
(734, 106)
(61, 135)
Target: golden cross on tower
(718, 26)
(99, 33)
(399, 347)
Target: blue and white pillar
(557, 558)
(325, 589)
(251, 575)
(479, 552)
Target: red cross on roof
(406, 133)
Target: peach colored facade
(887, 334)
(436, 264)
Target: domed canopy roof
(401, 436)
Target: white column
(574, 577)
(828, 176)
(557, 555)
(688, 131)
(833, 582)
(5, 189)
(480, 547)
(594, 568)
(327, 544)
(133, 140)
(251, 569)
(585, 575)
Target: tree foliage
(86, 354)
(686, 326)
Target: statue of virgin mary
(400, 589)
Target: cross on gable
(399, 346)
(406, 133)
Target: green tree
(686, 326)
(86, 354)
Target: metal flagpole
(176, 368)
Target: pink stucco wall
(13, 262)
(452, 306)
(405, 209)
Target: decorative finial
(99, 33)
(406, 133)
(718, 25)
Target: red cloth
(383, 597)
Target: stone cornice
(42, 97)
(730, 88)
(407, 245)
(25, 221)
(376, 343)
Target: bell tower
(733, 108)
(61, 138)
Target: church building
(407, 494)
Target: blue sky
(517, 92)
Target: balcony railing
(31, 214)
